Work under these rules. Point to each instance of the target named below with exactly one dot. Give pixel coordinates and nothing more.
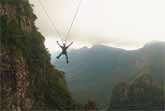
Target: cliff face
(18, 13)
(27, 79)
(13, 81)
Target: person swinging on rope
(64, 48)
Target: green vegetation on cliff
(46, 86)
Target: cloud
(122, 23)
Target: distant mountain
(93, 72)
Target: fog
(126, 24)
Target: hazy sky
(122, 23)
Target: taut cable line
(51, 21)
(54, 26)
(74, 18)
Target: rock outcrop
(13, 81)
(143, 92)
(27, 78)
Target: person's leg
(67, 60)
(59, 55)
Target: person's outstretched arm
(69, 44)
(58, 44)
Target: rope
(53, 25)
(51, 21)
(74, 18)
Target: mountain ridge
(105, 66)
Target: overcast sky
(126, 24)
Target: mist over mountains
(93, 72)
